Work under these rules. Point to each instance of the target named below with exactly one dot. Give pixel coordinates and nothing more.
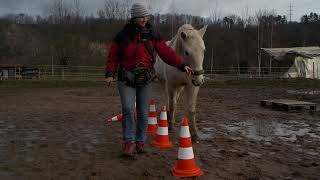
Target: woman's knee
(128, 109)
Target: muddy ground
(61, 133)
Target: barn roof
(281, 53)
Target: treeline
(66, 36)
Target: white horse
(188, 43)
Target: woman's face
(141, 21)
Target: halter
(198, 73)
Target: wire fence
(96, 73)
(246, 73)
(54, 72)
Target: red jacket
(128, 50)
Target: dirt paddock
(60, 132)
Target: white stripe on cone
(152, 108)
(185, 153)
(184, 132)
(152, 120)
(115, 118)
(163, 116)
(162, 131)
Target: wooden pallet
(289, 105)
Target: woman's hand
(109, 80)
(188, 70)
(185, 68)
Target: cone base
(162, 145)
(186, 173)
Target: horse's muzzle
(198, 79)
(196, 83)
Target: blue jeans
(129, 96)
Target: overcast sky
(194, 7)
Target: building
(302, 61)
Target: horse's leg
(191, 99)
(164, 94)
(179, 91)
(172, 106)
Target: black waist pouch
(136, 78)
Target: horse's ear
(203, 30)
(183, 35)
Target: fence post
(318, 71)
(39, 72)
(15, 72)
(313, 70)
(62, 74)
(52, 68)
(211, 62)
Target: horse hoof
(195, 138)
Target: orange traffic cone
(152, 118)
(186, 165)
(162, 138)
(118, 117)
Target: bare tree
(155, 6)
(20, 18)
(215, 13)
(263, 18)
(125, 9)
(114, 10)
(245, 16)
(101, 14)
(58, 11)
(173, 11)
(77, 10)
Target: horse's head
(191, 47)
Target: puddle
(261, 131)
(209, 129)
(313, 153)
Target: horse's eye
(186, 53)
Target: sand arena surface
(61, 133)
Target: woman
(131, 55)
